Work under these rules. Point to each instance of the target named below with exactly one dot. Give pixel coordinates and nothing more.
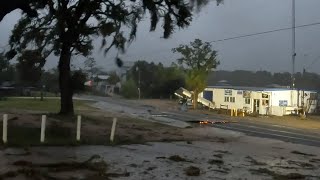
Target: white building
(264, 101)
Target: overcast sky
(271, 52)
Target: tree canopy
(199, 58)
(8, 6)
(156, 81)
(7, 71)
(67, 28)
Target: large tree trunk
(65, 83)
(195, 99)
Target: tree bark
(195, 99)
(65, 83)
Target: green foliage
(197, 56)
(67, 28)
(50, 80)
(4, 63)
(199, 59)
(129, 89)
(7, 71)
(196, 80)
(157, 81)
(48, 105)
(29, 67)
(90, 66)
(67, 23)
(78, 79)
(114, 78)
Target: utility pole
(139, 90)
(293, 42)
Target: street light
(139, 90)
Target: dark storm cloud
(233, 18)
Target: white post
(78, 127)
(113, 129)
(4, 128)
(43, 128)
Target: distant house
(264, 101)
(101, 84)
(8, 88)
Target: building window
(228, 92)
(283, 103)
(265, 102)
(226, 99)
(247, 100)
(232, 99)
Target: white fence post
(78, 127)
(43, 128)
(4, 128)
(113, 129)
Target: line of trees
(196, 60)
(154, 80)
(67, 28)
(28, 72)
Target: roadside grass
(24, 131)
(45, 94)
(21, 136)
(47, 105)
(25, 121)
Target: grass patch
(45, 94)
(24, 136)
(47, 105)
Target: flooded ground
(235, 156)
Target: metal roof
(253, 88)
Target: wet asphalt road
(251, 128)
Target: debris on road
(205, 122)
(216, 161)
(177, 158)
(192, 171)
(301, 153)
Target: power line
(265, 32)
(312, 63)
(244, 36)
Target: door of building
(256, 105)
(208, 95)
